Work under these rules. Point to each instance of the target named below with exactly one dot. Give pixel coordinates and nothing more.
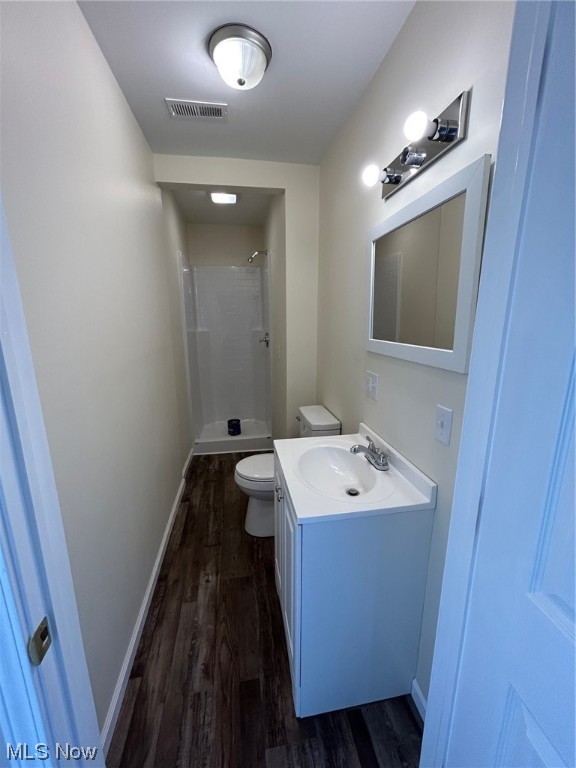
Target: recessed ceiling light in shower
(223, 198)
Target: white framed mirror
(424, 265)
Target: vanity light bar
(430, 140)
(391, 176)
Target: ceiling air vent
(197, 110)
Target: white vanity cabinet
(352, 592)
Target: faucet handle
(382, 460)
(371, 445)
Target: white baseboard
(120, 689)
(187, 462)
(418, 699)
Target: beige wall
(428, 252)
(225, 245)
(419, 276)
(443, 49)
(417, 244)
(300, 186)
(449, 246)
(176, 257)
(85, 219)
(276, 244)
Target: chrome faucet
(374, 455)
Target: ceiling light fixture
(222, 198)
(241, 55)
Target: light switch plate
(443, 424)
(372, 385)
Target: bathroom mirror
(424, 264)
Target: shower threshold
(214, 438)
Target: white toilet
(255, 474)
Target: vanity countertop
(320, 493)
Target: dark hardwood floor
(210, 684)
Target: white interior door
(512, 701)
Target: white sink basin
(326, 482)
(336, 472)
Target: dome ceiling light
(241, 55)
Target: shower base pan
(214, 438)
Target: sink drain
(352, 492)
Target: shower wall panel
(192, 353)
(232, 364)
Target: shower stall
(227, 335)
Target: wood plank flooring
(210, 684)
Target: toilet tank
(316, 421)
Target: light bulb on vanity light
(371, 175)
(418, 126)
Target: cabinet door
(288, 577)
(278, 530)
(287, 566)
(291, 587)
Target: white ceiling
(324, 54)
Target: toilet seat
(257, 469)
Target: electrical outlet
(372, 385)
(443, 424)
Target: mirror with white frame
(424, 264)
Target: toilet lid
(319, 418)
(258, 467)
